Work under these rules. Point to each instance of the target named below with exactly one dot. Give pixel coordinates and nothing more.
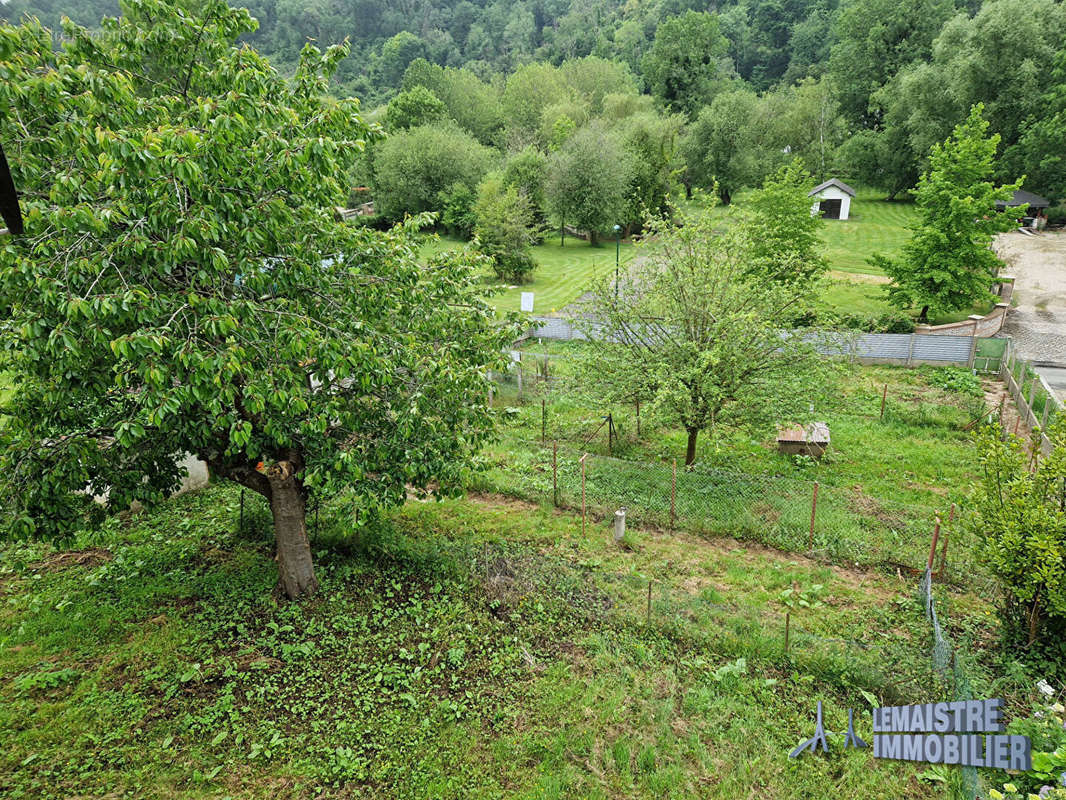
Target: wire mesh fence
(951, 677)
(835, 523)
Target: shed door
(830, 209)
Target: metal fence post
(932, 550)
(673, 497)
(583, 493)
(910, 350)
(814, 508)
(555, 473)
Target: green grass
(564, 272)
(875, 225)
(882, 481)
(466, 649)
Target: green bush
(1056, 215)
(1017, 517)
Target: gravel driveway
(1038, 320)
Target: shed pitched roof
(1021, 196)
(831, 182)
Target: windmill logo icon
(851, 738)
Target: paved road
(1037, 322)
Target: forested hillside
(859, 89)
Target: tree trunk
(924, 316)
(688, 190)
(690, 451)
(296, 574)
(593, 238)
(1034, 621)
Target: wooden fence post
(673, 497)
(543, 420)
(932, 550)
(814, 508)
(555, 473)
(884, 396)
(638, 419)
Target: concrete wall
(905, 349)
(981, 327)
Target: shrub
(457, 210)
(1018, 518)
(412, 168)
(504, 228)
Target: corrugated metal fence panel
(942, 348)
(883, 345)
(900, 347)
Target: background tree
(182, 286)
(686, 65)
(412, 108)
(587, 181)
(693, 334)
(874, 40)
(471, 102)
(527, 171)
(1018, 518)
(397, 53)
(1041, 148)
(529, 90)
(650, 144)
(783, 238)
(720, 148)
(412, 168)
(948, 264)
(505, 228)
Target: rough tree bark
(280, 485)
(690, 450)
(296, 574)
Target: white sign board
(527, 302)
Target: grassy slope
(881, 483)
(463, 649)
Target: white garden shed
(832, 199)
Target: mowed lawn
(875, 226)
(564, 272)
(853, 286)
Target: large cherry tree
(182, 285)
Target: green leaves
(1018, 517)
(948, 263)
(183, 286)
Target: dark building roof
(831, 182)
(1021, 196)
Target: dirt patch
(862, 503)
(92, 557)
(996, 397)
(501, 501)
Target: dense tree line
(661, 95)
